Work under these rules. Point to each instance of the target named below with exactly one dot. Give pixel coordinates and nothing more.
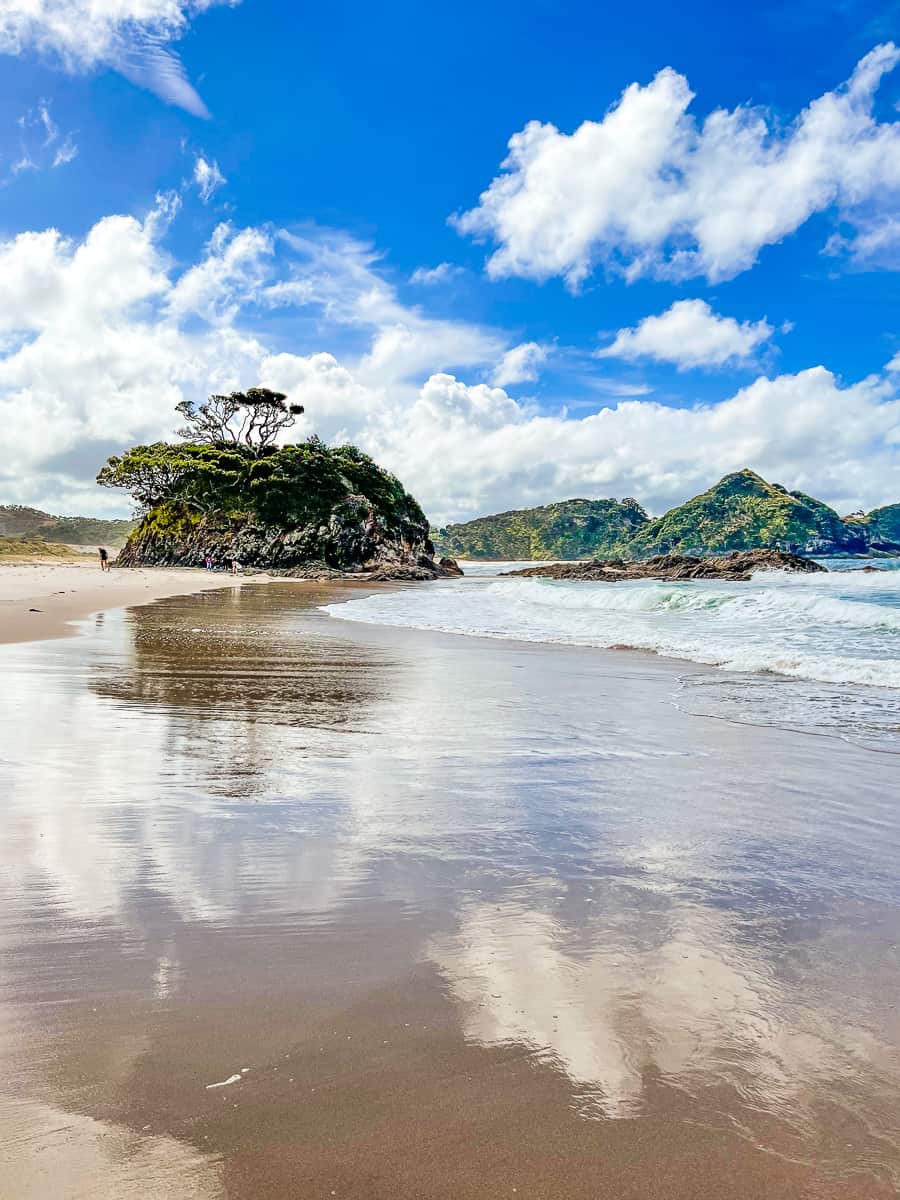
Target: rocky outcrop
(354, 541)
(739, 566)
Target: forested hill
(17, 520)
(740, 512)
(569, 529)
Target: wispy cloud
(132, 37)
(429, 276)
(207, 177)
(41, 143)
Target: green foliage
(569, 529)
(17, 520)
(883, 526)
(284, 488)
(743, 512)
(32, 548)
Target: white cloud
(207, 177)
(617, 387)
(340, 275)
(649, 191)
(783, 427)
(65, 152)
(131, 36)
(521, 364)
(232, 273)
(101, 337)
(690, 334)
(428, 276)
(42, 143)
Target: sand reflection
(626, 1000)
(48, 1152)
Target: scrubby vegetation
(569, 529)
(285, 487)
(17, 520)
(13, 548)
(741, 512)
(228, 490)
(881, 528)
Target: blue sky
(647, 295)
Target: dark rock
(353, 543)
(739, 565)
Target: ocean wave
(743, 601)
(834, 629)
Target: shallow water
(460, 916)
(839, 633)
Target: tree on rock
(251, 420)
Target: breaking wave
(841, 627)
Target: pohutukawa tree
(252, 419)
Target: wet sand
(443, 917)
(42, 599)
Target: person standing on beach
(104, 558)
(235, 567)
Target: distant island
(741, 512)
(231, 491)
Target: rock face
(880, 529)
(736, 566)
(569, 529)
(352, 540)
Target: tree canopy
(252, 419)
(233, 468)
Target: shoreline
(42, 600)
(394, 872)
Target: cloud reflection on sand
(620, 999)
(636, 897)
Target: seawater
(838, 630)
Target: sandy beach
(296, 907)
(41, 599)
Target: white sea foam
(842, 627)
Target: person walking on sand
(235, 567)
(104, 558)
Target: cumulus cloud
(521, 364)
(649, 190)
(690, 334)
(207, 177)
(101, 337)
(428, 276)
(131, 36)
(783, 427)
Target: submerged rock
(739, 566)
